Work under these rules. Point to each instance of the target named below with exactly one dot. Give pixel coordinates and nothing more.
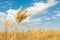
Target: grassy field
(34, 35)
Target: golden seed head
(18, 12)
(5, 23)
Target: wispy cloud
(47, 18)
(58, 14)
(41, 6)
(11, 15)
(2, 17)
(53, 17)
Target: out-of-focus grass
(34, 35)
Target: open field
(41, 35)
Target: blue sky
(44, 12)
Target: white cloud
(11, 14)
(58, 14)
(54, 17)
(2, 17)
(41, 6)
(47, 18)
(36, 20)
(2, 14)
(28, 20)
(51, 2)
